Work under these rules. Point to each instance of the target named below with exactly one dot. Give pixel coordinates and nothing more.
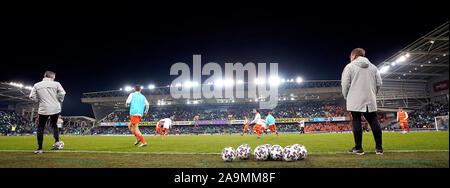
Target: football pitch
(326, 150)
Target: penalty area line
(205, 153)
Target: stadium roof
(165, 90)
(424, 59)
(14, 93)
(80, 117)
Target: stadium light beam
(229, 83)
(384, 69)
(128, 88)
(299, 80)
(259, 81)
(151, 86)
(218, 83)
(401, 59)
(188, 84)
(274, 81)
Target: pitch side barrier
(233, 122)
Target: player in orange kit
(402, 117)
(158, 127)
(139, 107)
(246, 126)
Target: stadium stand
(415, 78)
(14, 124)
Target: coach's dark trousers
(372, 119)
(42, 121)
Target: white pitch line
(386, 151)
(206, 153)
(117, 152)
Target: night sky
(103, 48)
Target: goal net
(441, 123)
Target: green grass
(417, 149)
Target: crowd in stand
(77, 126)
(12, 123)
(189, 113)
(228, 129)
(425, 118)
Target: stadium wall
(439, 88)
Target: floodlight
(384, 69)
(128, 88)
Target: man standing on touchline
(361, 82)
(50, 95)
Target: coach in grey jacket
(50, 95)
(361, 82)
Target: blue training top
(270, 120)
(138, 104)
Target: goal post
(441, 123)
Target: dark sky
(103, 48)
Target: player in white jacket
(259, 123)
(167, 125)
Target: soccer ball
(290, 154)
(276, 152)
(268, 148)
(58, 145)
(298, 148)
(261, 153)
(228, 154)
(243, 151)
(301, 149)
(303, 153)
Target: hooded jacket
(361, 82)
(49, 94)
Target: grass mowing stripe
(78, 160)
(332, 142)
(395, 161)
(203, 153)
(118, 152)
